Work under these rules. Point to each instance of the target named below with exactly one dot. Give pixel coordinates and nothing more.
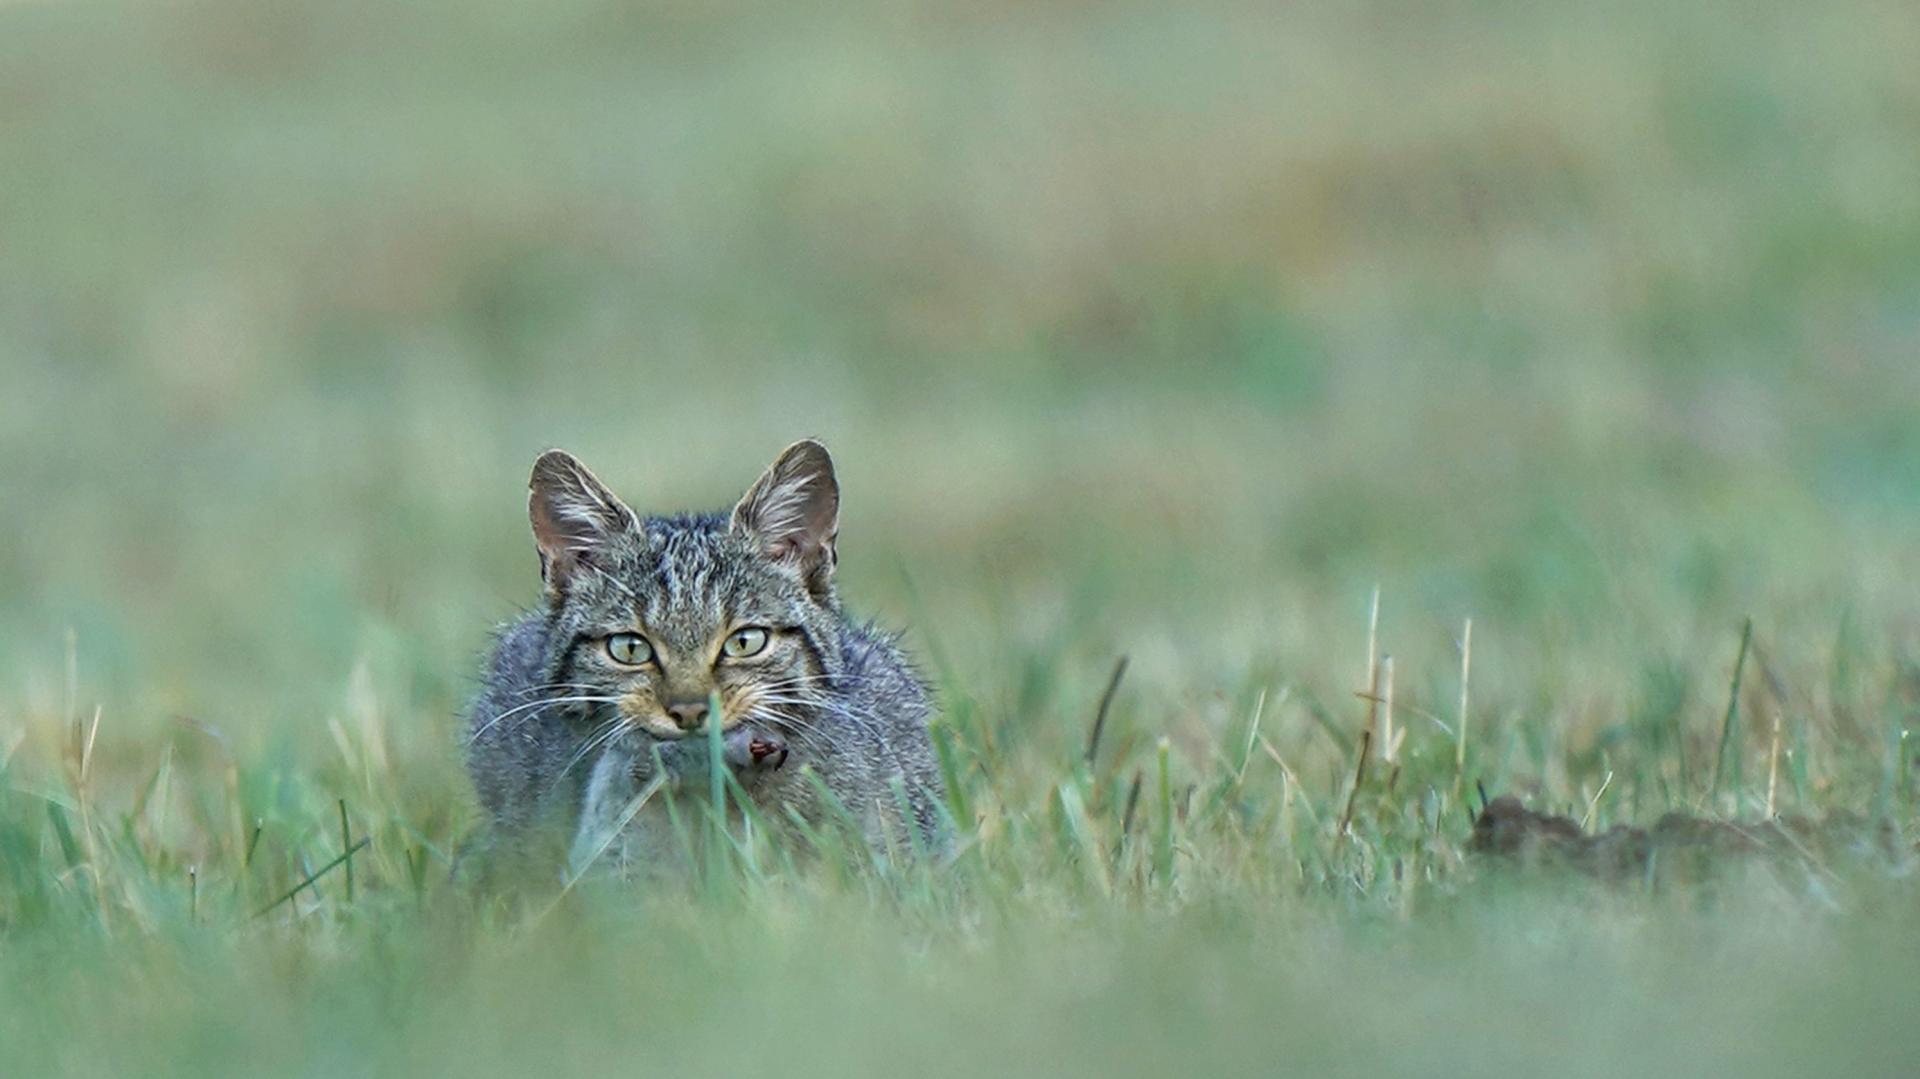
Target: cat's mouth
(746, 749)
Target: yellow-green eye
(750, 641)
(629, 649)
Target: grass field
(1160, 331)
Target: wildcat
(605, 687)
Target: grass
(1178, 335)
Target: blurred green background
(1168, 330)
(1161, 329)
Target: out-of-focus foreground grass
(1158, 330)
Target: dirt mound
(1678, 842)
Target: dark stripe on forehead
(681, 607)
(682, 575)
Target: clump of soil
(1679, 843)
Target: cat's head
(653, 615)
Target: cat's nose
(688, 715)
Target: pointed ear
(793, 513)
(574, 516)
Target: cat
(605, 687)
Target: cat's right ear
(575, 517)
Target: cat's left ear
(793, 513)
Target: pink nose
(688, 715)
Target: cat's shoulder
(876, 664)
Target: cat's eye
(629, 649)
(743, 643)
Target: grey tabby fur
(565, 733)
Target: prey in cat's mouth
(747, 749)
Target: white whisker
(489, 724)
(600, 737)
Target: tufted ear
(793, 513)
(574, 517)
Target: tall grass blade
(1728, 726)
